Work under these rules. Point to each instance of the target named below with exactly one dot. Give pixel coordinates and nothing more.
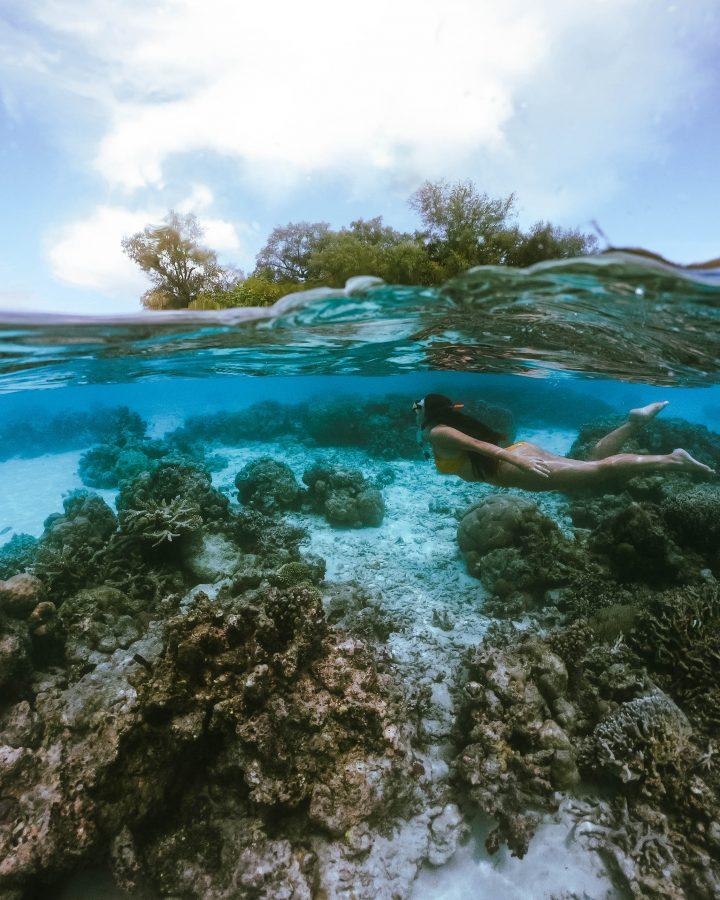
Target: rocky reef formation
(343, 496)
(268, 485)
(217, 741)
(23, 435)
(613, 713)
(17, 555)
(541, 713)
(518, 552)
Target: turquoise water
(152, 738)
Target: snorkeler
(464, 446)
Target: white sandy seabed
(411, 563)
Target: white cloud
(87, 253)
(558, 99)
(554, 97)
(200, 197)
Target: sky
(252, 115)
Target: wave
(619, 314)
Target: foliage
(369, 247)
(257, 290)
(179, 267)
(547, 241)
(287, 252)
(465, 228)
(462, 227)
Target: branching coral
(160, 522)
(678, 636)
(171, 482)
(637, 739)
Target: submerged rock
(639, 547)
(268, 485)
(517, 551)
(98, 621)
(281, 715)
(540, 712)
(344, 496)
(19, 595)
(66, 557)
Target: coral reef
(73, 428)
(678, 636)
(383, 427)
(343, 496)
(639, 547)
(258, 694)
(517, 551)
(361, 613)
(693, 516)
(17, 555)
(539, 713)
(67, 552)
(268, 485)
(259, 422)
(108, 465)
(97, 621)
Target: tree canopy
(460, 227)
(179, 267)
(287, 252)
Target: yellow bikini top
(450, 465)
(453, 465)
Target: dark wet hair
(441, 410)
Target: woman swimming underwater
(464, 446)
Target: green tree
(547, 241)
(368, 247)
(462, 226)
(287, 252)
(179, 267)
(255, 290)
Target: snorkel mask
(419, 410)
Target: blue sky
(252, 115)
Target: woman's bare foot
(644, 413)
(689, 463)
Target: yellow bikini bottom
(453, 465)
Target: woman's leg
(569, 474)
(582, 474)
(637, 419)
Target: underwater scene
(260, 637)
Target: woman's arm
(446, 438)
(443, 437)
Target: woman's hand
(534, 464)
